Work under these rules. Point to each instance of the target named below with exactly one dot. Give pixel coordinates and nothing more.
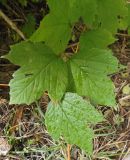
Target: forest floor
(22, 130)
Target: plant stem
(12, 25)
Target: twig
(123, 35)
(40, 111)
(12, 25)
(4, 85)
(68, 152)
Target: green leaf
(98, 88)
(79, 10)
(98, 38)
(128, 5)
(128, 18)
(40, 70)
(29, 26)
(111, 13)
(55, 28)
(94, 53)
(71, 119)
(90, 68)
(71, 85)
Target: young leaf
(71, 119)
(55, 28)
(40, 70)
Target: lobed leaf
(71, 119)
(97, 38)
(41, 70)
(85, 9)
(90, 68)
(55, 28)
(111, 13)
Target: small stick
(4, 85)
(68, 151)
(123, 35)
(12, 25)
